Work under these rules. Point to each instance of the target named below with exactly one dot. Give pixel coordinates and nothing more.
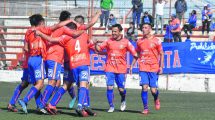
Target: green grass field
(174, 106)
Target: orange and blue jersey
(116, 54)
(149, 54)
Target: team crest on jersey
(152, 45)
(121, 47)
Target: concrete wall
(177, 82)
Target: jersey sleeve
(159, 45)
(82, 27)
(131, 49)
(46, 30)
(138, 48)
(64, 39)
(103, 45)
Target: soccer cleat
(72, 103)
(51, 109)
(123, 106)
(90, 111)
(23, 105)
(145, 112)
(12, 108)
(157, 104)
(111, 109)
(81, 112)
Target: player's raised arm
(73, 33)
(61, 24)
(94, 19)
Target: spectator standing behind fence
(168, 37)
(159, 13)
(206, 18)
(147, 18)
(191, 23)
(132, 32)
(176, 29)
(106, 6)
(137, 10)
(181, 8)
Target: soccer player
(116, 67)
(80, 20)
(150, 61)
(55, 55)
(36, 48)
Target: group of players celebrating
(66, 44)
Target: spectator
(137, 10)
(112, 21)
(176, 30)
(181, 8)
(159, 14)
(106, 6)
(132, 32)
(191, 23)
(188, 39)
(206, 18)
(168, 37)
(147, 18)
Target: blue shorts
(149, 78)
(36, 69)
(118, 77)
(68, 76)
(53, 70)
(25, 75)
(81, 73)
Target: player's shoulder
(65, 37)
(157, 40)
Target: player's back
(35, 43)
(78, 51)
(55, 51)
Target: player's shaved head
(72, 25)
(36, 19)
(64, 15)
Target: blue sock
(31, 93)
(18, 90)
(88, 97)
(81, 96)
(122, 94)
(144, 95)
(155, 95)
(55, 90)
(38, 99)
(47, 93)
(57, 97)
(72, 92)
(110, 97)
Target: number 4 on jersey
(77, 46)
